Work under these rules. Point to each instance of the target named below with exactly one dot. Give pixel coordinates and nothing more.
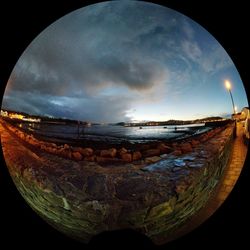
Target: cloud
(101, 61)
(192, 50)
(216, 60)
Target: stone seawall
(84, 198)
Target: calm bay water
(100, 132)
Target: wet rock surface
(153, 191)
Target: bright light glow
(227, 84)
(235, 109)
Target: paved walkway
(225, 186)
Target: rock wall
(83, 198)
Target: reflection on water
(147, 132)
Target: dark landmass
(171, 122)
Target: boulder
(122, 151)
(86, 151)
(151, 152)
(127, 157)
(152, 159)
(22, 136)
(66, 146)
(136, 156)
(76, 156)
(109, 153)
(50, 150)
(66, 153)
(164, 149)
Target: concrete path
(225, 186)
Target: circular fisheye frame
(124, 115)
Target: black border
(21, 22)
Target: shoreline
(99, 141)
(105, 152)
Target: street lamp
(228, 87)
(236, 109)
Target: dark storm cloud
(124, 44)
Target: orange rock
(152, 159)
(51, 150)
(86, 151)
(123, 151)
(137, 156)
(53, 145)
(164, 149)
(127, 157)
(151, 152)
(66, 146)
(108, 153)
(66, 153)
(77, 156)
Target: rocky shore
(149, 152)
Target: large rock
(126, 157)
(86, 151)
(51, 150)
(66, 146)
(66, 153)
(164, 149)
(77, 156)
(109, 153)
(152, 159)
(122, 151)
(136, 156)
(151, 152)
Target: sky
(124, 61)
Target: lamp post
(228, 87)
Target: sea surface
(113, 132)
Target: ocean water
(99, 132)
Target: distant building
(4, 113)
(246, 115)
(31, 119)
(16, 116)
